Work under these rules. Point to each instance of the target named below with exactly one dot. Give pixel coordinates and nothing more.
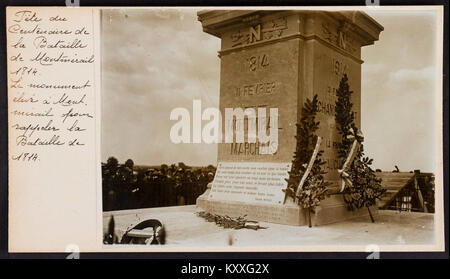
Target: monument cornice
(362, 24)
(290, 37)
(216, 22)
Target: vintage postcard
(225, 129)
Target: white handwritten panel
(52, 66)
(250, 182)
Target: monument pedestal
(279, 214)
(331, 210)
(277, 59)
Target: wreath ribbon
(345, 180)
(310, 165)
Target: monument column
(278, 59)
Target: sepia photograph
(271, 129)
(206, 133)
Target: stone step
(389, 194)
(392, 174)
(396, 180)
(393, 187)
(395, 183)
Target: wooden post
(309, 217)
(370, 214)
(419, 194)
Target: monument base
(331, 210)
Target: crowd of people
(126, 186)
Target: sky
(156, 60)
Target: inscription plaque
(250, 182)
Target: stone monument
(278, 59)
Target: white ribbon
(310, 165)
(345, 180)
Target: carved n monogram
(259, 32)
(340, 38)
